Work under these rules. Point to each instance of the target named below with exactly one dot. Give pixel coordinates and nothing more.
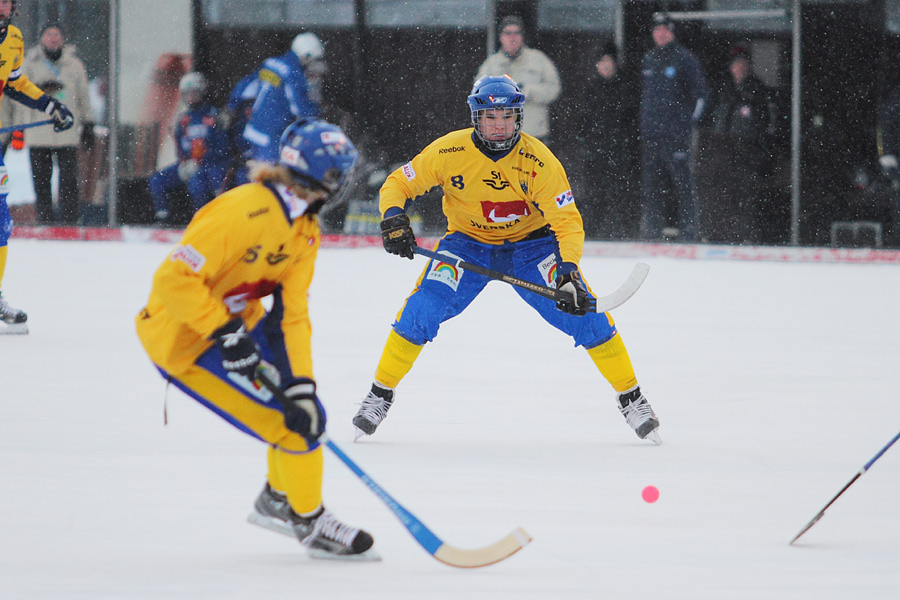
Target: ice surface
(775, 383)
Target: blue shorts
(6, 222)
(444, 291)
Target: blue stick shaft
(26, 126)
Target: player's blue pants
(202, 187)
(6, 222)
(239, 401)
(444, 291)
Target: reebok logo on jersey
(189, 256)
(408, 171)
(565, 199)
(504, 212)
(452, 149)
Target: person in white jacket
(531, 69)
(56, 69)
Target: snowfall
(774, 384)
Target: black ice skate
(326, 537)
(373, 409)
(637, 412)
(272, 511)
(12, 320)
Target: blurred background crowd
(674, 121)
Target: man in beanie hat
(531, 69)
(674, 94)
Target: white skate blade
(359, 433)
(653, 436)
(13, 328)
(369, 555)
(276, 525)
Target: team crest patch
(445, 272)
(504, 212)
(547, 267)
(565, 199)
(189, 256)
(408, 171)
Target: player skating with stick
(206, 330)
(509, 208)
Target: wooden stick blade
(482, 557)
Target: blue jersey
(199, 137)
(674, 91)
(240, 104)
(283, 98)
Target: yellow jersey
(12, 54)
(493, 200)
(246, 244)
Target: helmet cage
(496, 93)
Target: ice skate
(373, 409)
(12, 320)
(326, 537)
(272, 511)
(637, 412)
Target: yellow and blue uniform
(15, 84)
(510, 211)
(250, 242)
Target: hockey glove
(62, 116)
(240, 354)
(572, 296)
(303, 413)
(398, 236)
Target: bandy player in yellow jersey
(15, 85)
(509, 208)
(206, 330)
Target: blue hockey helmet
(497, 93)
(318, 154)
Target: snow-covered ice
(775, 383)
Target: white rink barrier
(614, 249)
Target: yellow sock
(3, 251)
(396, 360)
(299, 476)
(273, 476)
(613, 362)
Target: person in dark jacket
(608, 133)
(889, 126)
(739, 150)
(674, 94)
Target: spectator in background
(607, 132)
(55, 68)
(739, 148)
(202, 147)
(889, 126)
(673, 97)
(289, 88)
(531, 69)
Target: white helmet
(308, 47)
(192, 82)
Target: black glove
(303, 413)
(240, 354)
(398, 236)
(62, 116)
(572, 296)
(87, 136)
